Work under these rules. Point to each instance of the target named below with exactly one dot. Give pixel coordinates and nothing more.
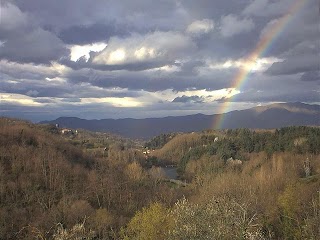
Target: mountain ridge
(269, 116)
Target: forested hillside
(48, 186)
(239, 184)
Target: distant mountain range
(263, 117)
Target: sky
(144, 58)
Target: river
(171, 172)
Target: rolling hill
(264, 117)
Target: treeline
(238, 143)
(294, 139)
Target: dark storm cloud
(82, 34)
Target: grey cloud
(213, 8)
(280, 88)
(14, 23)
(65, 14)
(152, 47)
(138, 52)
(162, 16)
(42, 89)
(38, 46)
(92, 92)
(156, 80)
(306, 47)
(200, 27)
(11, 17)
(256, 7)
(134, 66)
(301, 30)
(190, 68)
(274, 96)
(310, 76)
(289, 84)
(71, 100)
(29, 87)
(295, 65)
(98, 32)
(27, 71)
(26, 83)
(32, 93)
(24, 41)
(231, 25)
(267, 8)
(59, 14)
(38, 32)
(44, 100)
(186, 99)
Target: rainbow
(265, 42)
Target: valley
(221, 184)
